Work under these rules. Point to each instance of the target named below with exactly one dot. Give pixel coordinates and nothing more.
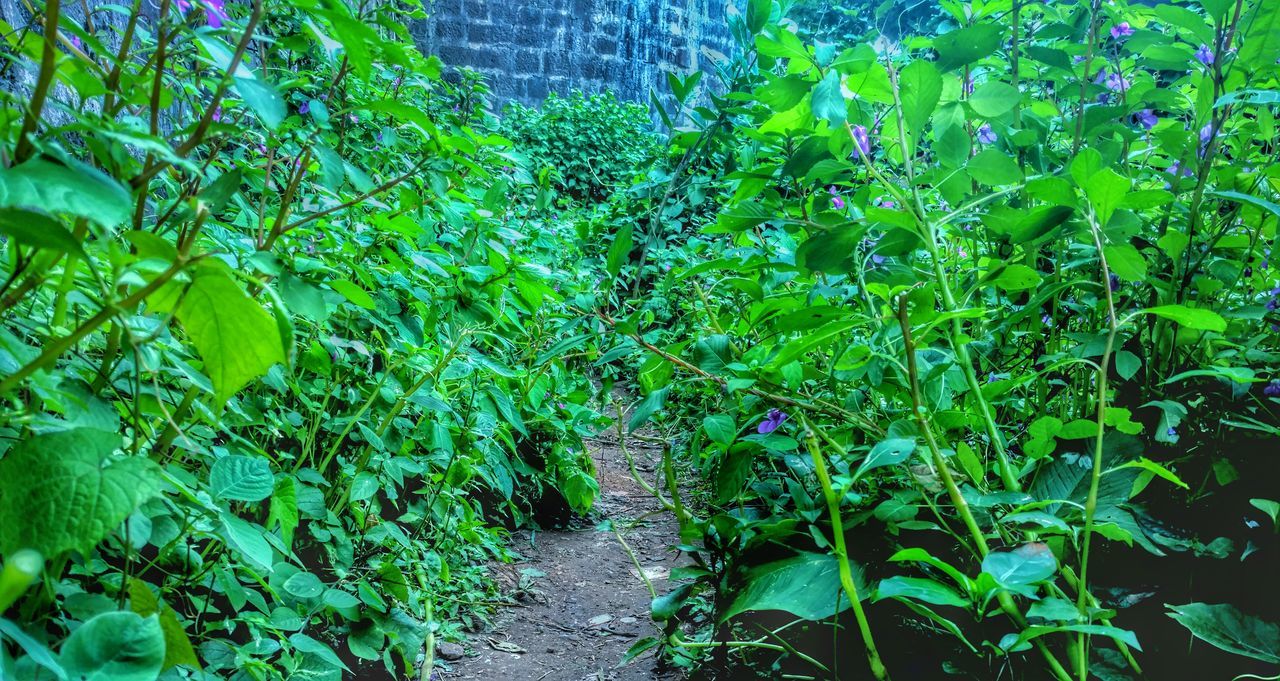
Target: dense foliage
(279, 354)
(963, 343)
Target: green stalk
(1006, 601)
(1095, 475)
(842, 555)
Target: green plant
(595, 144)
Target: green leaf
(304, 585)
(619, 250)
(284, 509)
(65, 491)
(78, 190)
(177, 646)
(33, 648)
(807, 586)
(758, 13)
(1023, 566)
(353, 293)
(720, 428)
(994, 167)
(1125, 261)
(1190, 317)
(1106, 190)
(828, 101)
(1017, 277)
(309, 645)
(1127, 364)
(1151, 466)
(263, 99)
(247, 538)
(921, 89)
(889, 452)
(37, 230)
(920, 589)
(115, 646)
(967, 45)
(666, 606)
(1225, 627)
(993, 99)
(241, 478)
(237, 339)
(1261, 45)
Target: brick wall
(529, 48)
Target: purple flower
(885, 203)
(216, 12)
(771, 421)
(1121, 30)
(1248, 272)
(991, 377)
(968, 85)
(1206, 133)
(986, 135)
(1146, 118)
(217, 115)
(860, 136)
(1116, 82)
(1171, 432)
(75, 42)
(837, 201)
(305, 108)
(1272, 389)
(1114, 282)
(1204, 55)
(1046, 320)
(1273, 304)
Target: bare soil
(583, 602)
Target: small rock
(628, 620)
(451, 651)
(599, 619)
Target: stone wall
(530, 48)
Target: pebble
(451, 652)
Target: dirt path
(587, 604)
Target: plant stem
(842, 555)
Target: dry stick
(953, 490)
(842, 553)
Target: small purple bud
(1114, 282)
(1146, 118)
(771, 421)
(1273, 388)
(305, 108)
(1046, 320)
(1206, 133)
(860, 136)
(1204, 55)
(836, 200)
(1121, 30)
(986, 135)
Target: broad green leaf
(78, 190)
(177, 646)
(248, 538)
(967, 45)
(241, 478)
(807, 586)
(921, 88)
(65, 491)
(1106, 190)
(309, 645)
(237, 339)
(37, 230)
(1225, 627)
(304, 585)
(284, 509)
(1152, 467)
(115, 646)
(993, 99)
(666, 606)
(34, 649)
(263, 99)
(1190, 317)
(1126, 262)
(352, 292)
(720, 428)
(1261, 45)
(1018, 642)
(994, 167)
(619, 250)
(828, 101)
(1025, 565)
(920, 589)
(889, 452)
(1017, 277)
